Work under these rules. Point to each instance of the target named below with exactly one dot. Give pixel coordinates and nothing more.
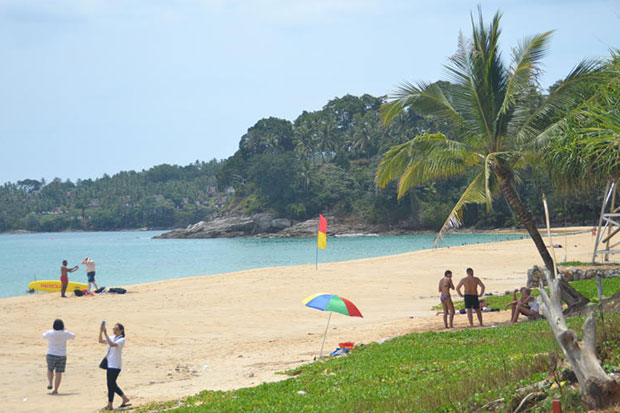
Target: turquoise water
(133, 257)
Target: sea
(134, 257)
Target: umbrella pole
(325, 335)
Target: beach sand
(235, 330)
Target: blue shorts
(91, 277)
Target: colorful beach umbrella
(334, 304)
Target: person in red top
(64, 277)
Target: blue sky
(89, 87)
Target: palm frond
(560, 100)
(478, 70)
(526, 57)
(424, 158)
(426, 99)
(475, 193)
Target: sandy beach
(234, 330)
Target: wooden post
(613, 206)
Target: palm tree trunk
(569, 295)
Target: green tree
(585, 149)
(485, 122)
(270, 136)
(276, 178)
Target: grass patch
(450, 371)
(585, 287)
(418, 372)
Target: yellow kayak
(54, 286)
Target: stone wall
(535, 274)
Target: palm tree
(486, 123)
(585, 153)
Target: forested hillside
(323, 161)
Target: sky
(89, 87)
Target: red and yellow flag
(322, 238)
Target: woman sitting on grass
(526, 305)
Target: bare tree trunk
(570, 296)
(598, 390)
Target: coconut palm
(486, 122)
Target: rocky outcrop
(231, 227)
(310, 227)
(267, 225)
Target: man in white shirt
(56, 352)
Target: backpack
(78, 293)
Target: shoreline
(225, 269)
(232, 330)
(556, 230)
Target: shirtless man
(471, 295)
(64, 277)
(90, 272)
(445, 284)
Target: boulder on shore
(230, 227)
(266, 225)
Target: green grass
(585, 287)
(447, 372)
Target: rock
(229, 227)
(281, 223)
(570, 274)
(534, 276)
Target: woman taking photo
(112, 362)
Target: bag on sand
(79, 293)
(117, 290)
(99, 290)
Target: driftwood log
(598, 390)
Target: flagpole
(316, 262)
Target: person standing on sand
(90, 272)
(56, 353)
(445, 284)
(114, 362)
(64, 277)
(471, 295)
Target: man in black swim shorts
(471, 295)
(471, 301)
